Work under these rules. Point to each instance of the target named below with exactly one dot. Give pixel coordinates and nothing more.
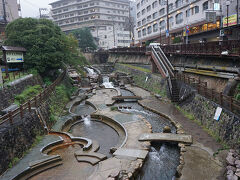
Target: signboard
(232, 20)
(221, 32)
(218, 113)
(14, 57)
(167, 33)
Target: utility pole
(168, 38)
(4, 12)
(237, 12)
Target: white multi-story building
(105, 18)
(12, 10)
(152, 18)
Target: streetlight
(227, 3)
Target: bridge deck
(166, 137)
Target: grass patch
(59, 100)
(114, 108)
(27, 94)
(138, 68)
(12, 76)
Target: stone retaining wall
(8, 94)
(154, 82)
(226, 129)
(16, 139)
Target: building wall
(11, 10)
(193, 14)
(105, 18)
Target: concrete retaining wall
(8, 94)
(134, 59)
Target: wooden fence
(34, 102)
(227, 102)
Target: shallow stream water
(163, 158)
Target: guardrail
(34, 102)
(216, 48)
(227, 102)
(230, 48)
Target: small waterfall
(91, 71)
(106, 82)
(87, 120)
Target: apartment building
(189, 20)
(105, 18)
(12, 10)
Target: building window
(205, 5)
(179, 18)
(155, 27)
(162, 2)
(155, 15)
(138, 5)
(179, 3)
(143, 11)
(170, 7)
(149, 29)
(162, 12)
(196, 9)
(144, 21)
(171, 22)
(162, 25)
(149, 18)
(154, 4)
(144, 32)
(139, 23)
(138, 14)
(188, 13)
(148, 8)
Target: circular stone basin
(83, 109)
(104, 134)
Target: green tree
(85, 38)
(47, 46)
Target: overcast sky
(30, 8)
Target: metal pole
(237, 12)
(168, 39)
(114, 41)
(40, 14)
(227, 15)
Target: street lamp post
(168, 38)
(227, 3)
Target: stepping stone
(91, 154)
(91, 160)
(133, 153)
(166, 137)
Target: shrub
(27, 94)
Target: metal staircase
(167, 71)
